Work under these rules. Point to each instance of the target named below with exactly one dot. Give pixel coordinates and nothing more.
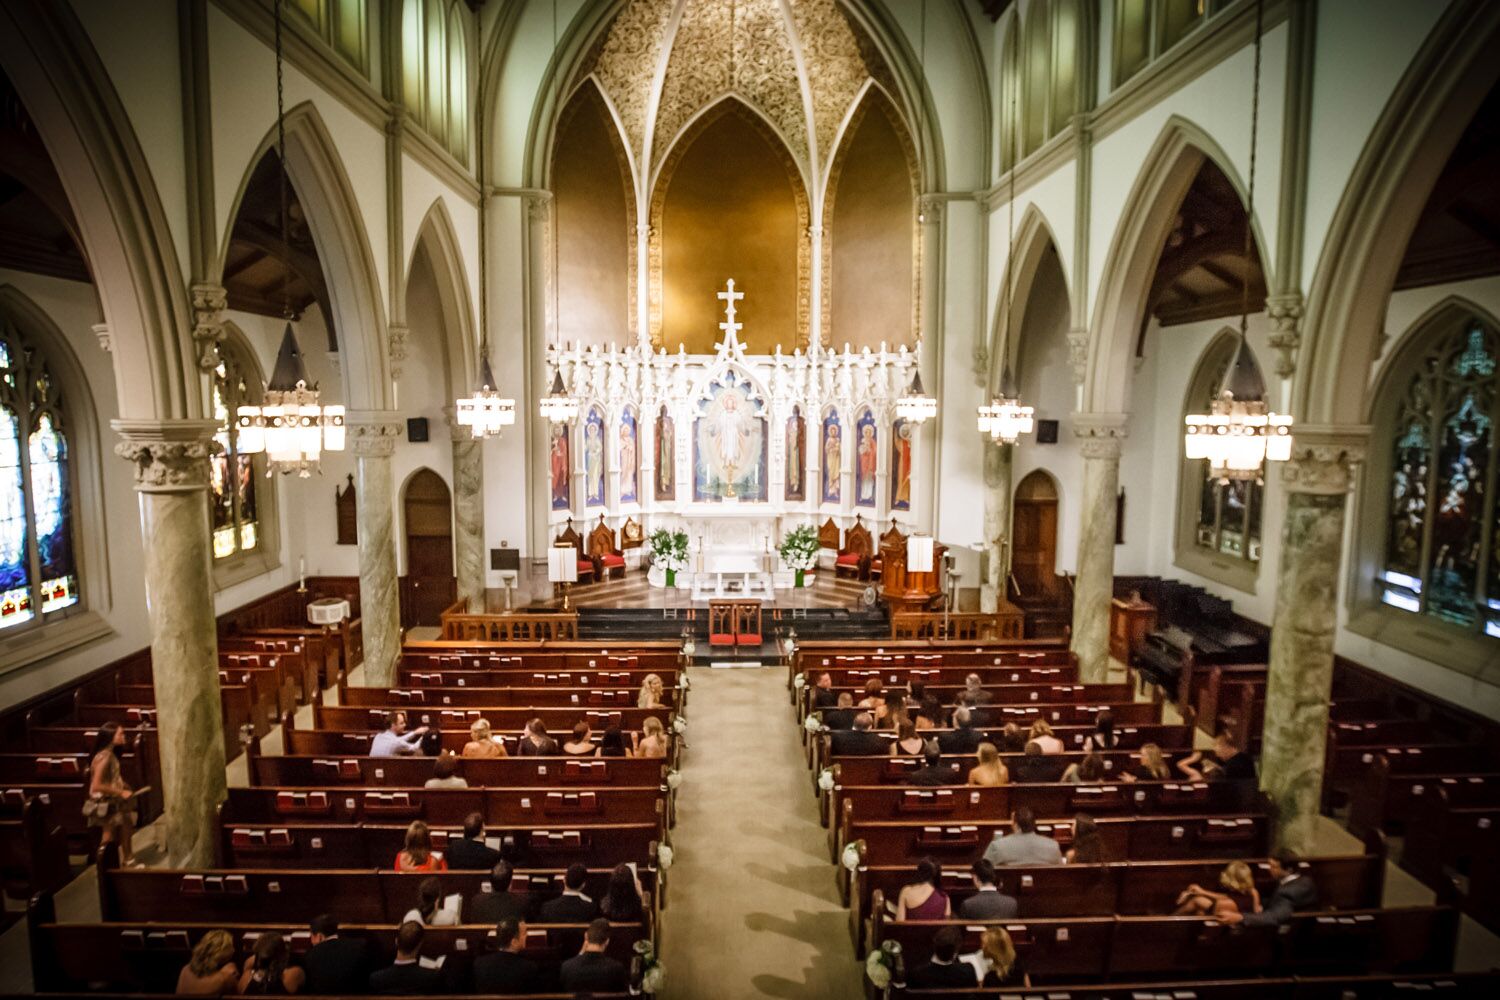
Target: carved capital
(1099, 434)
(1285, 313)
(170, 456)
(930, 209)
(334, 362)
(209, 303)
(372, 433)
(396, 334)
(1324, 460)
(539, 207)
(1078, 354)
(106, 339)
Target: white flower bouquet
(653, 973)
(663, 857)
(674, 778)
(679, 725)
(854, 854)
(799, 550)
(669, 549)
(880, 964)
(813, 724)
(799, 682)
(825, 779)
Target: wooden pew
(1001, 694)
(369, 719)
(33, 845)
(447, 806)
(427, 697)
(894, 770)
(312, 771)
(1391, 986)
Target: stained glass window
(1229, 512)
(38, 571)
(233, 513)
(1442, 449)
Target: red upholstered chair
(721, 623)
(587, 568)
(603, 550)
(854, 558)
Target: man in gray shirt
(1023, 845)
(988, 902)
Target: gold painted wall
(730, 210)
(872, 231)
(595, 220)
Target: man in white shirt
(394, 740)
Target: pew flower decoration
(679, 725)
(825, 779)
(853, 855)
(799, 682)
(683, 684)
(653, 973)
(674, 778)
(880, 964)
(663, 857)
(813, 724)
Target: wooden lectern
(909, 591)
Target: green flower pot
(671, 578)
(801, 577)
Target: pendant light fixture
(1005, 419)
(914, 405)
(290, 426)
(557, 406)
(484, 411)
(1240, 433)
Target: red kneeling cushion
(847, 559)
(611, 560)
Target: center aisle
(753, 910)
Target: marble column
(997, 512)
(468, 515)
(171, 479)
(372, 438)
(1316, 481)
(1099, 436)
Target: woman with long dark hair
(269, 972)
(923, 899)
(622, 900)
(111, 802)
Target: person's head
(110, 734)
(409, 940)
(917, 691)
(932, 755)
(212, 952)
(474, 825)
(323, 927)
(872, 687)
(1224, 744)
(582, 732)
(652, 727)
(945, 944)
(575, 877)
(396, 722)
(271, 953)
(612, 740)
(997, 946)
(972, 682)
(652, 683)
(479, 731)
(1236, 877)
(846, 699)
(1040, 728)
(1024, 820)
(445, 767)
(1084, 828)
(596, 938)
(931, 709)
(418, 843)
(1150, 758)
(988, 755)
(1104, 723)
(1091, 768)
(962, 717)
(825, 680)
(907, 730)
(898, 717)
(1281, 865)
(1012, 733)
(536, 729)
(500, 876)
(429, 896)
(983, 872)
(928, 873)
(622, 884)
(510, 935)
(1033, 748)
(863, 721)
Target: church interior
(702, 499)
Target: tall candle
(302, 572)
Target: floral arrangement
(799, 550)
(674, 778)
(663, 857)
(679, 725)
(653, 973)
(881, 964)
(825, 779)
(669, 549)
(813, 724)
(854, 855)
(799, 682)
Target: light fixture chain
(286, 264)
(1250, 184)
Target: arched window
(38, 572)
(1440, 557)
(1038, 73)
(234, 513)
(435, 70)
(1010, 95)
(340, 23)
(1146, 29)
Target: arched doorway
(1034, 536)
(429, 584)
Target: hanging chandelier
(1240, 433)
(557, 406)
(290, 426)
(914, 405)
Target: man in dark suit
(335, 964)
(470, 853)
(943, 971)
(988, 902)
(1035, 767)
(1294, 893)
(572, 907)
(499, 903)
(507, 970)
(591, 970)
(841, 715)
(963, 738)
(823, 693)
(407, 977)
(933, 771)
(860, 741)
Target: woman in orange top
(418, 855)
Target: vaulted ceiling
(37, 230)
(259, 261)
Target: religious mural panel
(666, 456)
(832, 457)
(593, 457)
(796, 455)
(559, 462)
(901, 432)
(629, 464)
(865, 460)
(729, 444)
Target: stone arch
(1145, 221)
(316, 171)
(122, 225)
(1381, 204)
(1033, 236)
(437, 238)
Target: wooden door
(1034, 535)
(429, 586)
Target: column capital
(930, 208)
(372, 433)
(396, 337)
(1285, 311)
(1099, 434)
(1325, 458)
(209, 302)
(170, 456)
(1078, 354)
(539, 206)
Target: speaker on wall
(1046, 432)
(505, 559)
(416, 429)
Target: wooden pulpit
(906, 591)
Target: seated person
(988, 902)
(841, 715)
(1012, 740)
(507, 970)
(591, 970)
(859, 741)
(417, 855)
(1103, 737)
(1086, 772)
(1225, 762)
(943, 970)
(1035, 768)
(907, 741)
(874, 701)
(990, 770)
(1041, 735)
(482, 742)
(535, 742)
(974, 692)
(1238, 896)
(963, 737)
(651, 692)
(269, 969)
(1088, 845)
(335, 965)
(500, 903)
(995, 963)
(1023, 845)
(1149, 765)
(433, 909)
(1294, 893)
(823, 694)
(572, 907)
(470, 852)
(445, 773)
(653, 741)
(394, 740)
(933, 771)
(923, 899)
(929, 714)
(582, 743)
(622, 900)
(612, 743)
(406, 976)
(210, 971)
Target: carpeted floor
(753, 910)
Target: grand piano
(1194, 629)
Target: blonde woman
(1239, 899)
(1041, 735)
(482, 742)
(1149, 765)
(651, 692)
(996, 960)
(990, 770)
(210, 971)
(653, 739)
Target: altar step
(636, 624)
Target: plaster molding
(170, 456)
(209, 302)
(1100, 435)
(1285, 313)
(106, 339)
(372, 433)
(1041, 163)
(1078, 354)
(538, 206)
(397, 335)
(1325, 459)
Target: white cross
(730, 327)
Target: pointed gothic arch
(438, 241)
(1034, 234)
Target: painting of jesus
(593, 457)
(562, 493)
(628, 465)
(666, 456)
(865, 458)
(729, 445)
(833, 458)
(796, 456)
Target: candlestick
(301, 574)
